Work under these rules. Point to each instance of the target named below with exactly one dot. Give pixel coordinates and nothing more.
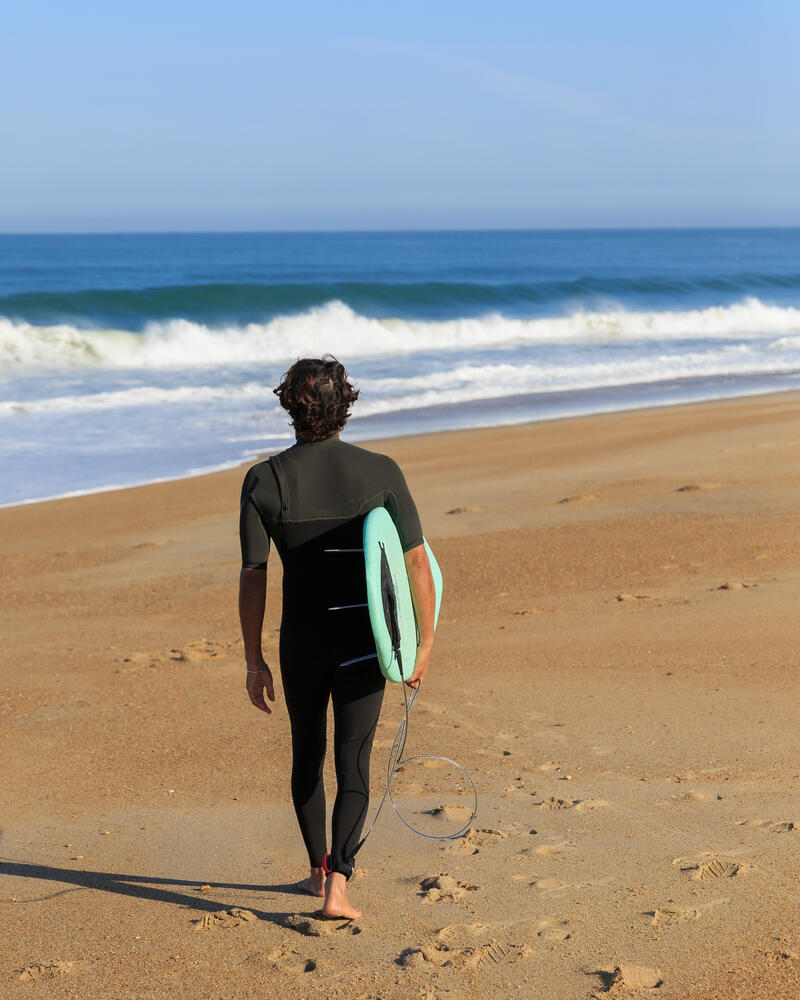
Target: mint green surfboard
(391, 610)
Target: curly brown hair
(318, 396)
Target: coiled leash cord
(396, 758)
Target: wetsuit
(311, 500)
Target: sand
(616, 666)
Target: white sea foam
(785, 344)
(179, 343)
(144, 395)
(459, 384)
(468, 383)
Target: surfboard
(391, 609)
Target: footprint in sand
(710, 867)
(464, 510)
(494, 953)
(286, 959)
(579, 498)
(198, 651)
(440, 954)
(587, 805)
(438, 887)
(482, 836)
(448, 811)
(770, 826)
(546, 850)
(47, 970)
(717, 868)
(474, 840)
(735, 585)
(632, 598)
(671, 914)
(315, 925)
(437, 955)
(668, 916)
(550, 884)
(551, 929)
(224, 918)
(554, 804)
(624, 979)
(695, 796)
(453, 933)
(474, 946)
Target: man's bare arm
(423, 595)
(252, 600)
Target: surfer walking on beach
(310, 501)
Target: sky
(420, 114)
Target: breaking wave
(336, 327)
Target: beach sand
(616, 666)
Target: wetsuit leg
(357, 697)
(306, 687)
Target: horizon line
(390, 231)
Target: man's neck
(301, 440)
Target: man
(311, 500)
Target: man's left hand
(259, 682)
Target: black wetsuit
(311, 501)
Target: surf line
(396, 635)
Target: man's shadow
(135, 885)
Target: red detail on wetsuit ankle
(326, 863)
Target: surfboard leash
(396, 759)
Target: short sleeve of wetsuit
(253, 536)
(401, 506)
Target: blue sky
(343, 115)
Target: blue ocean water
(130, 358)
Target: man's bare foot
(314, 885)
(336, 904)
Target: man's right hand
(259, 682)
(421, 665)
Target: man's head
(317, 396)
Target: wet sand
(616, 665)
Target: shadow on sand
(142, 887)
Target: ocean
(127, 359)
